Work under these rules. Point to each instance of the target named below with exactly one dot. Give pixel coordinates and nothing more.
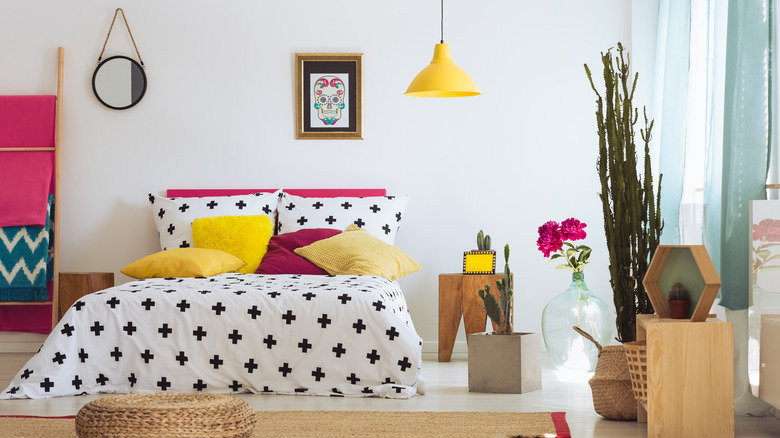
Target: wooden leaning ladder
(57, 149)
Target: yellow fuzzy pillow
(357, 252)
(246, 237)
(183, 262)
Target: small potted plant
(503, 361)
(679, 301)
(481, 260)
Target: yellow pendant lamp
(442, 78)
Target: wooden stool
(166, 415)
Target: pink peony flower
(572, 229)
(550, 239)
(768, 229)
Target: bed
(283, 328)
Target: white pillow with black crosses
(379, 215)
(173, 216)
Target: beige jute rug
(349, 424)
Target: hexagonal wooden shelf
(689, 264)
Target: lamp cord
(442, 21)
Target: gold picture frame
(329, 96)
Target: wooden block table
(74, 285)
(458, 296)
(690, 377)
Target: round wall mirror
(119, 82)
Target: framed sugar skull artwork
(329, 96)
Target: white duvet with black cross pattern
(229, 334)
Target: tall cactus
(500, 311)
(632, 213)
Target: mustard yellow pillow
(183, 262)
(246, 237)
(357, 252)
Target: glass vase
(577, 306)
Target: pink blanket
(26, 178)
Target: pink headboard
(313, 193)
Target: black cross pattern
(309, 296)
(131, 379)
(183, 305)
(330, 220)
(269, 341)
(212, 204)
(254, 311)
(218, 308)
(392, 333)
(97, 328)
(161, 213)
(68, 330)
(379, 305)
(359, 326)
(83, 356)
(164, 384)
(147, 356)
(171, 229)
(304, 345)
(353, 379)
(285, 369)
(199, 333)
(165, 330)
(373, 357)
(235, 336)
(59, 358)
(147, 304)
(318, 374)
(235, 386)
(324, 320)
(113, 302)
(216, 361)
(317, 205)
(76, 382)
(404, 364)
(47, 384)
(339, 350)
(101, 380)
(182, 358)
(241, 204)
(360, 223)
(78, 305)
(199, 385)
(386, 229)
(183, 208)
(375, 208)
(27, 373)
(302, 220)
(251, 366)
(116, 354)
(344, 298)
(151, 198)
(289, 317)
(346, 205)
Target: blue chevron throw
(24, 255)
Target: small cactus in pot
(483, 241)
(500, 310)
(679, 302)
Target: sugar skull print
(330, 96)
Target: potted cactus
(503, 361)
(679, 301)
(481, 260)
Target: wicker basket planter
(636, 353)
(166, 415)
(610, 385)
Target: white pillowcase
(379, 215)
(173, 216)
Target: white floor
(447, 390)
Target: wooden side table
(74, 285)
(458, 296)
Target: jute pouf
(166, 415)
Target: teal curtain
(670, 106)
(738, 144)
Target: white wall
(218, 113)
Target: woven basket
(166, 415)
(611, 383)
(636, 353)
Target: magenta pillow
(280, 258)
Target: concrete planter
(505, 364)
